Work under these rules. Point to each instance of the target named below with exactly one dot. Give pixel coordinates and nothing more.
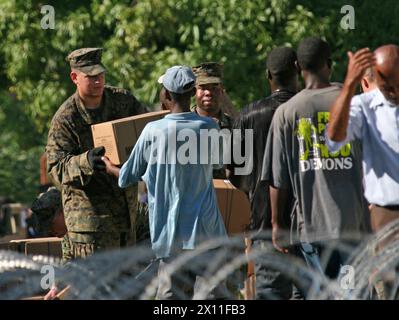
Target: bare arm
(359, 62)
(110, 168)
(278, 201)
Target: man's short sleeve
(355, 125)
(136, 165)
(267, 156)
(275, 165)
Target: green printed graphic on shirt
(313, 152)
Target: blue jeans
(185, 282)
(328, 267)
(312, 252)
(271, 283)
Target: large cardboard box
(233, 205)
(119, 136)
(38, 246)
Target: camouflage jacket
(225, 122)
(92, 201)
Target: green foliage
(19, 173)
(144, 37)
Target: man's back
(327, 186)
(258, 117)
(181, 197)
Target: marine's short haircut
(281, 64)
(313, 53)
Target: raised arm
(359, 62)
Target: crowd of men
(325, 161)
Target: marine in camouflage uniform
(209, 76)
(98, 214)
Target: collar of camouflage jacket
(93, 116)
(223, 119)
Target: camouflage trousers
(81, 245)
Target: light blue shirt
(375, 121)
(183, 209)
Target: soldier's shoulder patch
(68, 107)
(66, 113)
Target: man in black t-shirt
(282, 74)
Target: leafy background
(141, 39)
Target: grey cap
(178, 79)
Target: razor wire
(132, 273)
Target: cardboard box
(119, 136)
(6, 239)
(38, 246)
(233, 205)
(4, 246)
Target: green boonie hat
(208, 72)
(87, 60)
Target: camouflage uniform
(225, 122)
(98, 214)
(206, 73)
(223, 119)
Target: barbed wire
(132, 273)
